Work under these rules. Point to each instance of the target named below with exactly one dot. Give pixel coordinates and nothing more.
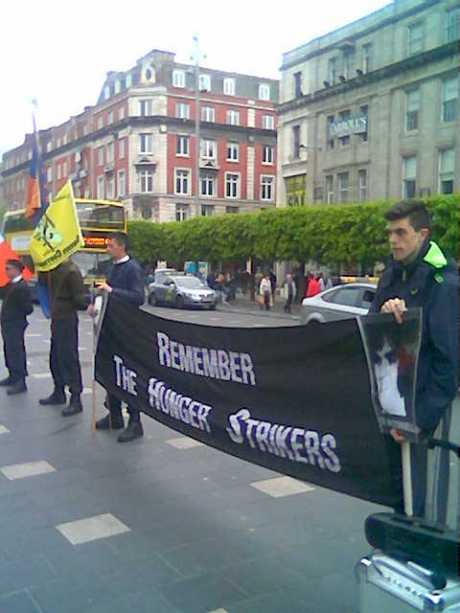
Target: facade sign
(295, 190)
(356, 124)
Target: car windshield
(188, 282)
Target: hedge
(326, 234)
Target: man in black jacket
(67, 296)
(124, 282)
(17, 305)
(419, 275)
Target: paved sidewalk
(164, 524)
(244, 304)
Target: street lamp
(197, 57)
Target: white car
(340, 302)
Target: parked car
(181, 291)
(342, 302)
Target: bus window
(101, 216)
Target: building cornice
(394, 18)
(410, 63)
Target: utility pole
(197, 57)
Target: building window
(178, 78)
(264, 91)
(348, 63)
(367, 58)
(121, 148)
(121, 113)
(362, 185)
(344, 116)
(207, 210)
(229, 87)
(110, 188)
(409, 176)
(145, 181)
(128, 80)
(121, 183)
(329, 189)
(231, 209)
(268, 122)
(182, 111)
(343, 186)
(452, 28)
(450, 99)
(145, 107)
(106, 92)
(233, 118)
(330, 142)
(100, 188)
(446, 171)
(412, 109)
(100, 125)
(208, 113)
(416, 35)
(267, 154)
(266, 188)
(296, 142)
(110, 117)
(110, 153)
(181, 212)
(146, 143)
(207, 183)
(204, 83)
(182, 145)
(49, 174)
(182, 182)
(364, 126)
(231, 185)
(233, 152)
(208, 149)
(117, 87)
(297, 84)
(332, 70)
(100, 156)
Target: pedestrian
(419, 275)
(321, 281)
(290, 289)
(124, 282)
(313, 287)
(273, 281)
(67, 296)
(16, 306)
(265, 291)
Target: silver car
(341, 302)
(181, 291)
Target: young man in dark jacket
(67, 296)
(124, 282)
(419, 275)
(16, 306)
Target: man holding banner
(419, 275)
(55, 239)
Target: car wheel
(314, 323)
(213, 307)
(152, 300)
(179, 302)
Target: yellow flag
(58, 234)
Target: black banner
(293, 399)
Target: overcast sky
(59, 52)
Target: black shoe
(75, 406)
(6, 382)
(104, 423)
(17, 388)
(132, 432)
(57, 397)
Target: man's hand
(104, 287)
(397, 436)
(395, 306)
(91, 310)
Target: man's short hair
(15, 264)
(415, 210)
(121, 238)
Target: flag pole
(407, 479)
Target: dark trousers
(64, 360)
(288, 305)
(14, 349)
(114, 406)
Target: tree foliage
(325, 234)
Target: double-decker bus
(99, 219)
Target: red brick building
(138, 143)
